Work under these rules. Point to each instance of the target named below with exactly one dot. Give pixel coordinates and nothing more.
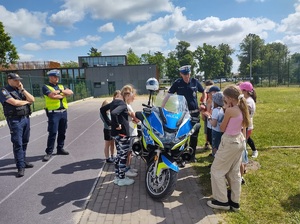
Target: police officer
(56, 111)
(188, 87)
(16, 103)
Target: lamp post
(251, 37)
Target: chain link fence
(33, 84)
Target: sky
(62, 30)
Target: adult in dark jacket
(16, 103)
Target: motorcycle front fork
(156, 159)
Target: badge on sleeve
(4, 92)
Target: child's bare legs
(130, 171)
(112, 148)
(129, 159)
(242, 170)
(106, 149)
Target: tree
(132, 58)
(172, 65)
(209, 59)
(274, 61)
(226, 51)
(70, 64)
(94, 52)
(295, 67)
(8, 52)
(158, 59)
(250, 47)
(184, 55)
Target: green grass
(271, 193)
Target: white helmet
(152, 84)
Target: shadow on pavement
(92, 164)
(9, 164)
(76, 192)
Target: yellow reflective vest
(54, 104)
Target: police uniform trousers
(57, 124)
(19, 131)
(194, 136)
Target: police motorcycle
(163, 140)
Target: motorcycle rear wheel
(160, 188)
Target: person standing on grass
(208, 84)
(250, 96)
(189, 87)
(109, 146)
(209, 107)
(120, 132)
(215, 119)
(226, 165)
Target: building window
(97, 84)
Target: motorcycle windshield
(171, 102)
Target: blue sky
(62, 30)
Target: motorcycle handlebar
(145, 105)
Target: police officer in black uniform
(16, 103)
(188, 87)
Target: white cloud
(31, 47)
(108, 27)
(91, 38)
(23, 23)
(54, 44)
(124, 10)
(214, 31)
(291, 25)
(26, 57)
(293, 43)
(50, 31)
(169, 30)
(67, 17)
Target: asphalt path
(56, 191)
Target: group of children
(120, 126)
(229, 120)
(229, 115)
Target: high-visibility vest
(54, 104)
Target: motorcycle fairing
(155, 122)
(184, 128)
(171, 118)
(149, 137)
(166, 164)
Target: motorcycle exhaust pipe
(187, 156)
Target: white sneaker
(116, 180)
(129, 173)
(125, 181)
(254, 154)
(133, 170)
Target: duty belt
(194, 111)
(57, 111)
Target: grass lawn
(272, 193)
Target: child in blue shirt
(215, 120)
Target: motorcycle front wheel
(161, 187)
